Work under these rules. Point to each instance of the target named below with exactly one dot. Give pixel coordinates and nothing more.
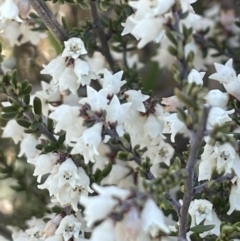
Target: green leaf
(37, 106)
(27, 90)
(202, 228)
(48, 149)
(26, 99)
(171, 37)
(107, 169)
(29, 131)
(8, 116)
(173, 51)
(34, 125)
(61, 139)
(24, 84)
(122, 155)
(23, 123)
(39, 146)
(9, 109)
(84, 5)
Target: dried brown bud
(171, 103)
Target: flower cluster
(110, 156)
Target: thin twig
(196, 140)
(50, 20)
(114, 135)
(205, 185)
(101, 34)
(175, 204)
(30, 116)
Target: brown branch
(101, 34)
(50, 20)
(196, 140)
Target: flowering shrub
(119, 163)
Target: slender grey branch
(196, 140)
(50, 20)
(114, 135)
(101, 34)
(205, 185)
(30, 116)
(175, 204)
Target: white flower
(97, 207)
(104, 231)
(153, 126)
(83, 71)
(111, 191)
(163, 152)
(35, 233)
(43, 164)
(10, 31)
(112, 82)
(55, 68)
(137, 99)
(175, 125)
(153, 219)
(199, 210)
(218, 116)
(217, 98)
(196, 77)
(226, 75)
(9, 11)
(69, 227)
(205, 169)
(28, 145)
(68, 80)
(234, 199)
(151, 8)
(155, 31)
(74, 47)
(96, 99)
(50, 92)
(68, 195)
(67, 174)
(226, 157)
(66, 116)
(88, 143)
(14, 131)
(117, 113)
(27, 35)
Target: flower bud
(24, 7)
(51, 226)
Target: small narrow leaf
(37, 106)
(202, 228)
(23, 123)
